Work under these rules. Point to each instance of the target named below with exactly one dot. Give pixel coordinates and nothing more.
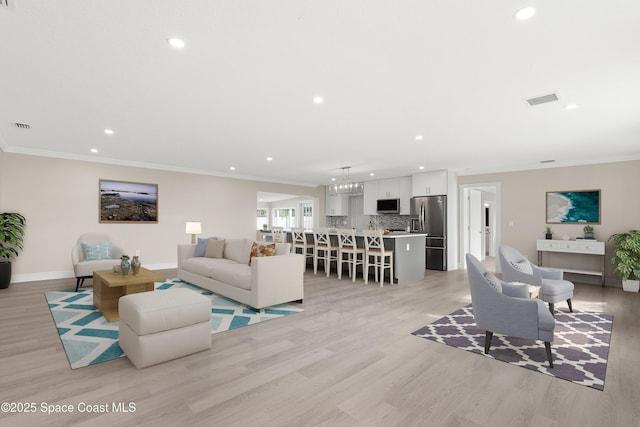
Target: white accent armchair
(516, 268)
(505, 308)
(84, 269)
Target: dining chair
(299, 244)
(278, 235)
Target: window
(307, 215)
(262, 219)
(284, 217)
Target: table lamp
(193, 228)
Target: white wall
(60, 200)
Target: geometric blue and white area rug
(580, 346)
(88, 338)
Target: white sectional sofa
(269, 280)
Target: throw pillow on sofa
(258, 250)
(201, 246)
(215, 248)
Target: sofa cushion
(202, 265)
(259, 250)
(283, 248)
(236, 250)
(96, 251)
(234, 274)
(215, 249)
(201, 246)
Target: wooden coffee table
(108, 287)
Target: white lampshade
(193, 228)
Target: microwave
(388, 206)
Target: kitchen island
(408, 252)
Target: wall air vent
(552, 97)
(21, 125)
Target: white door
(476, 234)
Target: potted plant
(588, 232)
(11, 235)
(626, 258)
(548, 234)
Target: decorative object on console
(588, 232)
(122, 201)
(194, 228)
(548, 234)
(626, 258)
(125, 265)
(573, 207)
(11, 236)
(565, 236)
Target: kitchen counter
(408, 252)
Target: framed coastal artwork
(581, 206)
(126, 202)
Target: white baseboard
(50, 275)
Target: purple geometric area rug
(580, 346)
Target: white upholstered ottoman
(163, 325)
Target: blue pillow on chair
(96, 251)
(201, 246)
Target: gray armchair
(83, 268)
(505, 308)
(516, 268)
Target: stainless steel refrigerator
(429, 216)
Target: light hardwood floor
(349, 359)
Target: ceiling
(456, 73)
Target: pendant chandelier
(346, 186)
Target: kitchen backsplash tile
(391, 222)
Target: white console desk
(581, 247)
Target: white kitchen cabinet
(433, 183)
(336, 205)
(370, 197)
(389, 188)
(406, 187)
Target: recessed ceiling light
(269, 159)
(318, 100)
(108, 131)
(421, 167)
(232, 168)
(176, 42)
(571, 107)
(333, 179)
(372, 174)
(419, 138)
(94, 150)
(525, 13)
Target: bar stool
(324, 249)
(299, 242)
(374, 248)
(347, 246)
(278, 235)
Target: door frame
(463, 234)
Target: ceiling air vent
(552, 97)
(21, 125)
(547, 161)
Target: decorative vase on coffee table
(125, 266)
(135, 265)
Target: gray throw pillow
(201, 246)
(493, 281)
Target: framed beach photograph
(581, 206)
(122, 201)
